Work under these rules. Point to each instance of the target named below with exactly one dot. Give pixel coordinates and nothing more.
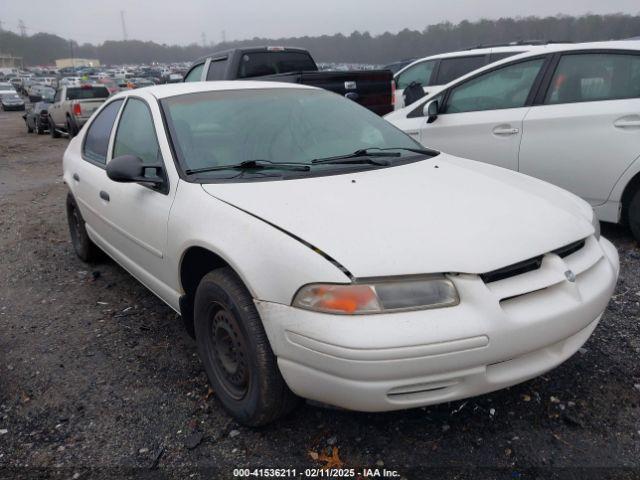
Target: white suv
(570, 116)
(433, 72)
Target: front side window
(195, 75)
(217, 129)
(136, 133)
(595, 76)
(96, 141)
(452, 68)
(420, 73)
(507, 87)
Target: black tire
(29, 127)
(52, 129)
(72, 130)
(82, 244)
(235, 351)
(39, 129)
(634, 215)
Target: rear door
(585, 129)
(482, 117)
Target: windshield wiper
(252, 165)
(364, 155)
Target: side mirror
(129, 169)
(431, 110)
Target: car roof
(472, 52)
(173, 89)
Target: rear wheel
(72, 131)
(29, 128)
(39, 127)
(52, 129)
(235, 351)
(82, 244)
(634, 215)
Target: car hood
(443, 214)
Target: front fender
(272, 264)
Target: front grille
(569, 249)
(529, 265)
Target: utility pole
(1, 22)
(22, 27)
(203, 37)
(124, 26)
(224, 36)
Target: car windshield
(214, 129)
(11, 96)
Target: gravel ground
(98, 378)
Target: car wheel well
(632, 187)
(196, 263)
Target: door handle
(104, 195)
(631, 121)
(76, 177)
(505, 130)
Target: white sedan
(316, 251)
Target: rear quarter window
(452, 68)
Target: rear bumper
(411, 359)
(13, 108)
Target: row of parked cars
(317, 250)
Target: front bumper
(502, 333)
(13, 108)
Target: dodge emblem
(570, 276)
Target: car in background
(110, 83)
(38, 92)
(11, 101)
(6, 88)
(36, 118)
(138, 82)
(431, 73)
(316, 251)
(569, 115)
(370, 88)
(73, 105)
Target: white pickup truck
(72, 106)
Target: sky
(185, 21)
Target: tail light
(393, 92)
(77, 109)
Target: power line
(124, 26)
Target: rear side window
(507, 87)
(595, 76)
(136, 134)
(420, 73)
(256, 64)
(452, 68)
(217, 69)
(86, 93)
(96, 142)
(195, 75)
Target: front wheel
(235, 351)
(634, 215)
(29, 127)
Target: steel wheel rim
(228, 352)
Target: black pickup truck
(370, 88)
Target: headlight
(434, 291)
(596, 225)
